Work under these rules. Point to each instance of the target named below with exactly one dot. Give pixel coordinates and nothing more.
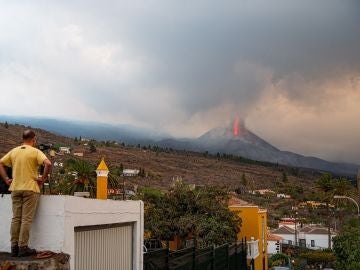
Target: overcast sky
(290, 68)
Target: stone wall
(59, 261)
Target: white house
(262, 191)
(287, 234)
(283, 196)
(130, 172)
(97, 234)
(274, 243)
(64, 150)
(311, 236)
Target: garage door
(106, 247)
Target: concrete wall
(321, 240)
(272, 245)
(57, 216)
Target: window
(302, 242)
(312, 243)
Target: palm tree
(331, 186)
(82, 179)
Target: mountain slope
(246, 144)
(235, 139)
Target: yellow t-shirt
(25, 161)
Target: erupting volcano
(236, 127)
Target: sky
(289, 68)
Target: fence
(225, 257)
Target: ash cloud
(187, 66)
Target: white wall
(57, 216)
(272, 247)
(288, 237)
(321, 240)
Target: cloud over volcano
(290, 68)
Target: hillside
(162, 167)
(233, 139)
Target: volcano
(237, 140)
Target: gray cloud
(184, 66)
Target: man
(25, 161)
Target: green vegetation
(201, 213)
(318, 257)
(92, 146)
(347, 246)
(279, 259)
(81, 177)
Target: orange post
(102, 180)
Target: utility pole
(296, 228)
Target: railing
(225, 257)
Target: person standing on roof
(25, 161)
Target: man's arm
(47, 167)
(4, 175)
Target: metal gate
(105, 247)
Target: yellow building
(254, 229)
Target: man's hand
(8, 181)
(40, 180)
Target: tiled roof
(314, 230)
(283, 230)
(305, 229)
(273, 237)
(236, 201)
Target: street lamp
(351, 199)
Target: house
(64, 150)
(254, 229)
(315, 205)
(283, 196)
(262, 191)
(310, 236)
(130, 172)
(289, 222)
(274, 244)
(58, 164)
(78, 154)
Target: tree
(201, 212)
(284, 177)
(279, 259)
(83, 181)
(243, 185)
(329, 187)
(243, 180)
(347, 246)
(92, 147)
(121, 169)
